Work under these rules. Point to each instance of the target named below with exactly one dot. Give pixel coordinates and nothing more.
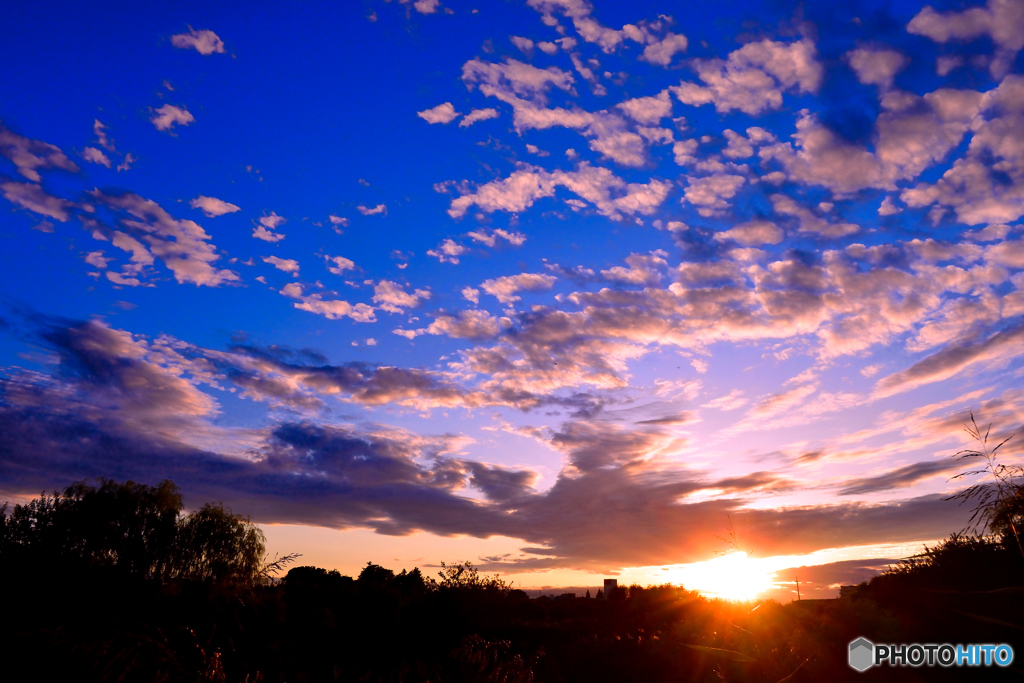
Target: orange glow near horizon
(735, 576)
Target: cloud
(648, 110)
(731, 401)
(442, 113)
(212, 207)
(28, 155)
(516, 239)
(987, 184)
(515, 78)
(205, 42)
(100, 131)
(998, 348)
(658, 50)
(876, 67)
(448, 251)
(372, 210)
(610, 195)
(34, 198)
(287, 265)
(392, 297)
(149, 231)
(753, 78)
(478, 115)
(710, 194)
(423, 6)
(332, 309)
(504, 288)
(266, 227)
(95, 156)
(643, 270)
(809, 222)
(340, 264)
(97, 259)
(753, 233)
(1002, 20)
(167, 116)
(911, 134)
(114, 395)
(473, 325)
(907, 475)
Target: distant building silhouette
(610, 585)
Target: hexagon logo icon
(862, 654)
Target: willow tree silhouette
(132, 529)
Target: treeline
(113, 582)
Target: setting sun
(735, 576)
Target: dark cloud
(127, 408)
(898, 478)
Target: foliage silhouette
(133, 590)
(999, 503)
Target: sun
(732, 577)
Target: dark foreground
(118, 588)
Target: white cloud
(28, 155)
(287, 265)
(99, 130)
(888, 207)
(265, 230)
(525, 45)
(205, 42)
(442, 113)
(1002, 20)
(340, 264)
(809, 222)
(97, 259)
(149, 231)
(372, 210)
(658, 51)
(490, 238)
(478, 115)
(504, 289)
(648, 110)
(212, 206)
(392, 297)
(753, 77)
(95, 156)
(332, 309)
(32, 197)
(471, 294)
(423, 6)
(448, 251)
(710, 194)
(167, 116)
(876, 67)
(752, 234)
(611, 195)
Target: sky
(570, 290)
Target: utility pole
(797, 588)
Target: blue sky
(561, 288)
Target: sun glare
(732, 577)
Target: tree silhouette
(133, 529)
(213, 545)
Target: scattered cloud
(212, 207)
(205, 42)
(287, 265)
(168, 116)
(442, 113)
